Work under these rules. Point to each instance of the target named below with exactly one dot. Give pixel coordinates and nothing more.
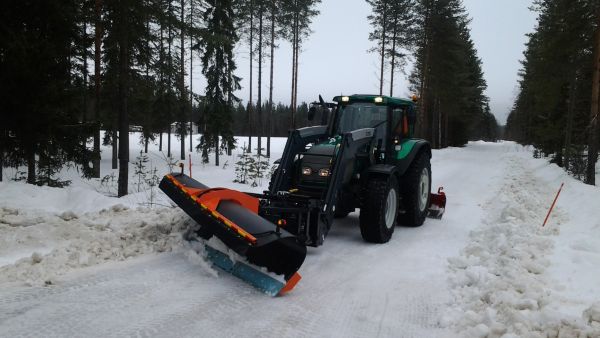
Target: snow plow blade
(258, 279)
(232, 217)
(437, 204)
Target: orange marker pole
(190, 165)
(553, 202)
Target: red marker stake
(553, 202)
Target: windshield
(360, 115)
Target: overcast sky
(335, 61)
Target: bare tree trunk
(260, 61)
(294, 51)
(439, 143)
(569, 127)
(169, 137)
(169, 103)
(217, 152)
(115, 143)
(162, 77)
(31, 164)
(123, 114)
(446, 130)
(85, 78)
(593, 136)
(296, 68)
(191, 78)
(434, 124)
(382, 53)
(250, 107)
(269, 125)
(393, 63)
(182, 95)
(97, 75)
(423, 117)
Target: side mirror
(311, 113)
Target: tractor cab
(393, 120)
(383, 116)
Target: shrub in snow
(242, 166)
(258, 167)
(140, 170)
(147, 177)
(109, 184)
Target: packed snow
(78, 262)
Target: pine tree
(98, 34)
(274, 10)
(379, 20)
(553, 105)
(297, 17)
(594, 111)
(393, 32)
(218, 66)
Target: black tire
(373, 225)
(416, 205)
(341, 210)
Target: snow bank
(500, 280)
(17, 195)
(50, 245)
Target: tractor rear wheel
(415, 191)
(379, 210)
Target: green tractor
(363, 156)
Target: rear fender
(407, 155)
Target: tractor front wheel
(416, 189)
(379, 210)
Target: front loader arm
(348, 148)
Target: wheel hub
(391, 206)
(423, 189)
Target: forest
(77, 74)
(556, 109)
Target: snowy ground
(74, 262)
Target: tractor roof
(380, 99)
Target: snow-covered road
(431, 281)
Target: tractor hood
(315, 165)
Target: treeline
(69, 69)
(279, 120)
(557, 106)
(447, 75)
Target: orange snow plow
(232, 217)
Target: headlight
(324, 172)
(306, 171)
